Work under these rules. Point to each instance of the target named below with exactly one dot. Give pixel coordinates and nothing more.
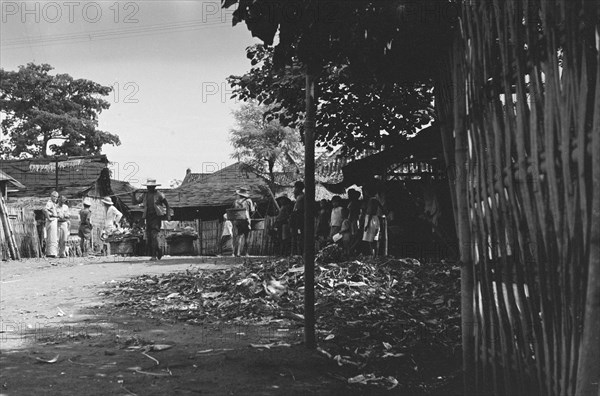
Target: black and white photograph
(300, 197)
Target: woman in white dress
(62, 210)
(51, 225)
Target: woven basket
(182, 247)
(237, 214)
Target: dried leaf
(160, 347)
(53, 360)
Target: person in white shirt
(337, 217)
(64, 225)
(226, 237)
(113, 216)
(51, 225)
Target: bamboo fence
(528, 75)
(25, 233)
(260, 242)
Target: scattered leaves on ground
(392, 321)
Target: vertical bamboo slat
(531, 116)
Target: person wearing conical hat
(113, 216)
(85, 226)
(156, 209)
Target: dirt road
(57, 338)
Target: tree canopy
(38, 107)
(393, 40)
(264, 144)
(357, 114)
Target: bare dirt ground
(57, 338)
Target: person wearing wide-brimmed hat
(85, 226)
(241, 227)
(156, 209)
(112, 217)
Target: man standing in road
(156, 209)
(241, 226)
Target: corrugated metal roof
(39, 174)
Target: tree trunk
(309, 209)
(45, 146)
(271, 166)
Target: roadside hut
(8, 183)
(7, 244)
(73, 177)
(204, 198)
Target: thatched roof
(5, 178)
(191, 177)
(39, 174)
(218, 189)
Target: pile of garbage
(392, 320)
(122, 234)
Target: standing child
(226, 237)
(283, 234)
(85, 227)
(373, 210)
(344, 237)
(336, 215)
(323, 224)
(354, 214)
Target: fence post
(199, 228)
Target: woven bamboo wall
(527, 88)
(24, 228)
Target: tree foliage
(394, 40)
(39, 107)
(357, 114)
(265, 144)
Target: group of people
(347, 224)
(57, 224)
(355, 225)
(234, 236)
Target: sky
(167, 62)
